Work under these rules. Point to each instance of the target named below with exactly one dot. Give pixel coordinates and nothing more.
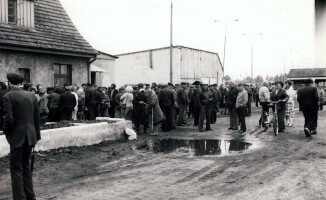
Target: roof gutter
(89, 68)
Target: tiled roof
(307, 72)
(54, 30)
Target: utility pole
(171, 47)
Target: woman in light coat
(126, 103)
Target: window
(26, 74)
(12, 11)
(62, 74)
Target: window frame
(15, 8)
(59, 76)
(27, 71)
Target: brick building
(39, 40)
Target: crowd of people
(151, 105)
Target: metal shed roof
(307, 73)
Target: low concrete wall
(82, 135)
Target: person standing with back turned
(21, 126)
(308, 100)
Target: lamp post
(252, 51)
(225, 31)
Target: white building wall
(106, 63)
(188, 65)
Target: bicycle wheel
(275, 125)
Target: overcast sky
(287, 27)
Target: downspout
(89, 68)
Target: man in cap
(279, 95)
(166, 100)
(205, 99)
(196, 92)
(21, 125)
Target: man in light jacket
(241, 103)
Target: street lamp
(252, 50)
(225, 31)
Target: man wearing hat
(21, 125)
(196, 92)
(205, 100)
(232, 98)
(166, 100)
(67, 103)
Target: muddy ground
(289, 166)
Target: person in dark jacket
(3, 91)
(205, 99)
(197, 91)
(99, 97)
(53, 105)
(279, 94)
(113, 102)
(21, 125)
(216, 97)
(182, 101)
(90, 101)
(67, 103)
(166, 101)
(250, 96)
(308, 101)
(232, 98)
(140, 114)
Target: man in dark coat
(21, 125)
(279, 94)
(216, 96)
(232, 98)
(90, 101)
(166, 101)
(113, 102)
(67, 103)
(308, 100)
(140, 110)
(250, 95)
(205, 99)
(182, 101)
(196, 103)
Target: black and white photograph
(162, 99)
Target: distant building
(318, 75)
(103, 69)
(39, 41)
(153, 65)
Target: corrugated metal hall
(153, 65)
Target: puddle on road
(195, 147)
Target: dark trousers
(281, 119)
(213, 116)
(167, 123)
(21, 176)
(181, 117)
(233, 118)
(65, 114)
(54, 115)
(112, 111)
(242, 119)
(191, 109)
(321, 107)
(196, 115)
(205, 113)
(248, 110)
(91, 111)
(310, 114)
(257, 100)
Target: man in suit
(206, 100)
(233, 94)
(196, 103)
(67, 103)
(308, 100)
(112, 100)
(279, 94)
(21, 125)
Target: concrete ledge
(82, 135)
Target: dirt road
(289, 166)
